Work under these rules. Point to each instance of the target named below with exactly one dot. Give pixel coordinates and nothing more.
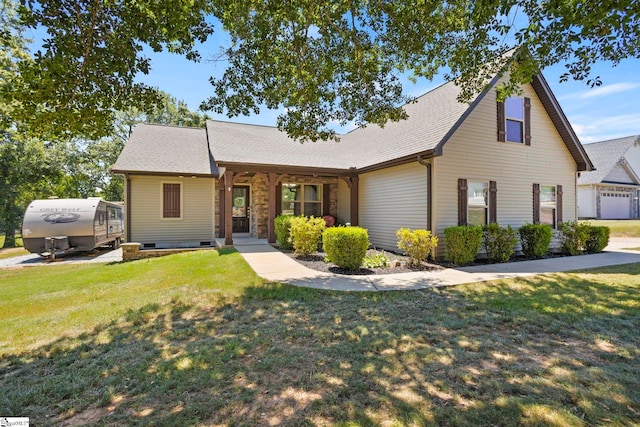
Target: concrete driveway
(102, 255)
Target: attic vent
(205, 243)
(148, 245)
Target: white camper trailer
(56, 226)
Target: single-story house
(449, 163)
(612, 191)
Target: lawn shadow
(281, 355)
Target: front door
(240, 209)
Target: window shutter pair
(536, 203)
(502, 122)
(463, 200)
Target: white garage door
(615, 205)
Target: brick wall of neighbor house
(474, 153)
(260, 199)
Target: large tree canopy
(339, 61)
(323, 62)
(90, 56)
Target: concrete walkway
(273, 265)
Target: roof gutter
(397, 162)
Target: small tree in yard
(417, 244)
(305, 234)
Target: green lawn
(197, 339)
(620, 228)
(11, 252)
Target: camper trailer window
(101, 218)
(112, 213)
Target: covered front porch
(249, 198)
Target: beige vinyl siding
(197, 218)
(344, 202)
(390, 199)
(474, 153)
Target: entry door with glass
(240, 209)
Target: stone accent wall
(132, 251)
(260, 199)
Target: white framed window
(171, 200)
(478, 203)
(548, 205)
(302, 199)
(514, 116)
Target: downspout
(128, 206)
(429, 193)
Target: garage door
(615, 205)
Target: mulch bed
(397, 264)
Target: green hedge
(346, 247)
(597, 239)
(499, 243)
(306, 233)
(462, 243)
(535, 239)
(282, 226)
(574, 237)
(417, 244)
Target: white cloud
(603, 91)
(592, 129)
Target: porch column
(221, 209)
(273, 182)
(354, 200)
(228, 203)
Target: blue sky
(596, 114)
(609, 111)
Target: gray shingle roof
(255, 144)
(166, 149)
(430, 118)
(605, 155)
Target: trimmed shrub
(498, 242)
(379, 260)
(597, 239)
(462, 243)
(305, 234)
(346, 247)
(535, 239)
(416, 244)
(574, 237)
(282, 226)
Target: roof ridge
(169, 126)
(612, 140)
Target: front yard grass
(620, 228)
(11, 252)
(196, 339)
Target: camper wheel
(116, 243)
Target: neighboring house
(449, 163)
(612, 191)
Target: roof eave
(284, 169)
(561, 123)
(399, 161)
(439, 148)
(157, 173)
